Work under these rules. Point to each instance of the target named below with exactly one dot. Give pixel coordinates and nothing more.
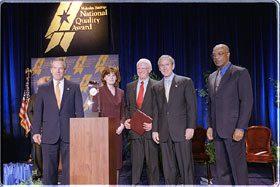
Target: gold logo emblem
(59, 31)
(70, 18)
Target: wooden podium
(92, 151)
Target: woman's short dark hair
(109, 70)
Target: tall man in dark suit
(56, 102)
(174, 122)
(230, 105)
(139, 96)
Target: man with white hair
(139, 96)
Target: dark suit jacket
(234, 101)
(147, 106)
(179, 113)
(55, 121)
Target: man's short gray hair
(145, 61)
(167, 57)
(60, 59)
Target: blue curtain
(186, 31)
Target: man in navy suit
(230, 105)
(56, 102)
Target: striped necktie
(218, 80)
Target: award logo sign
(77, 28)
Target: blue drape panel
(186, 31)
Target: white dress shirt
(167, 84)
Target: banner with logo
(80, 69)
(77, 28)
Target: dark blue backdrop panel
(186, 31)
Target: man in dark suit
(56, 102)
(36, 149)
(174, 122)
(139, 96)
(230, 105)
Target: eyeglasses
(213, 55)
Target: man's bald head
(223, 46)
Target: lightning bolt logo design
(37, 69)
(100, 65)
(59, 31)
(84, 82)
(79, 66)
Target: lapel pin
(176, 85)
(67, 89)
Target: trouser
(231, 161)
(177, 162)
(144, 149)
(51, 160)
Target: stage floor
(259, 174)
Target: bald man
(230, 105)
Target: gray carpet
(259, 174)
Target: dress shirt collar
(145, 81)
(169, 79)
(61, 82)
(224, 69)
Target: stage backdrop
(80, 69)
(186, 31)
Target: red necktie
(140, 97)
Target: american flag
(24, 120)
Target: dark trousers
(37, 159)
(177, 161)
(142, 149)
(51, 161)
(231, 162)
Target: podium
(92, 151)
